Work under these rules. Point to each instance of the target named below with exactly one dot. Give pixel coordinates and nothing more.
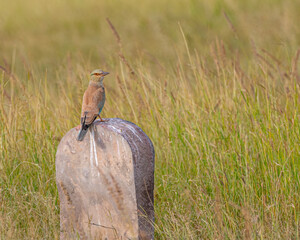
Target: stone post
(106, 182)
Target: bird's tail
(83, 130)
(81, 134)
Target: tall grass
(214, 84)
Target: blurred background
(48, 31)
(215, 85)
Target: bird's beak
(105, 73)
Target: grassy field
(215, 85)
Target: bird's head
(97, 76)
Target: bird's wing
(90, 109)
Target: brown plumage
(94, 95)
(93, 102)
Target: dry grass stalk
(121, 54)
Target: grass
(215, 86)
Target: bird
(93, 102)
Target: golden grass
(215, 86)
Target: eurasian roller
(93, 102)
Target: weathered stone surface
(106, 182)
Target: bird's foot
(101, 120)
